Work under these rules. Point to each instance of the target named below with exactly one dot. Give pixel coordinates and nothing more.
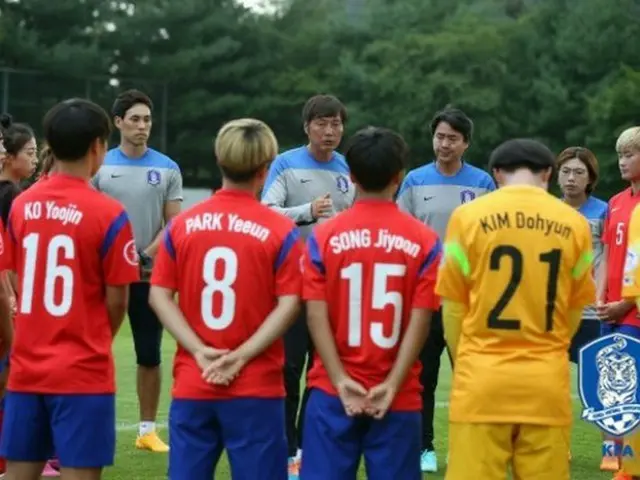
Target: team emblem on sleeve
(608, 383)
(130, 253)
(342, 184)
(466, 196)
(630, 267)
(153, 177)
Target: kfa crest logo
(608, 381)
(153, 177)
(466, 196)
(342, 184)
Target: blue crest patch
(466, 196)
(153, 177)
(608, 383)
(342, 184)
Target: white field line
(129, 427)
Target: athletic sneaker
(428, 461)
(610, 464)
(294, 468)
(152, 442)
(49, 471)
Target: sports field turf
(132, 464)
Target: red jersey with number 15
(615, 238)
(66, 242)
(229, 258)
(372, 264)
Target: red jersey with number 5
(372, 264)
(615, 238)
(229, 258)
(66, 242)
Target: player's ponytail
(46, 160)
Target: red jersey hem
(52, 391)
(402, 404)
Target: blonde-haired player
(516, 275)
(628, 147)
(235, 265)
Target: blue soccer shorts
(252, 430)
(630, 330)
(80, 429)
(333, 443)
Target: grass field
(132, 464)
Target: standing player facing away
(308, 184)
(149, 185)
(73, 252)
(516, 276)
(369, 278)
(235, 265)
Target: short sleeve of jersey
(425, 295)
(631, 281)
(455, 266)
(583, 292)
(314, 280)
(165, 273)
(287, 267)
(119, 254)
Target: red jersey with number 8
(66, 242)
(615, 238)
(372, 264)
(229, 258)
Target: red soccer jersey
(372, 264)
(66, 242)
(229, 258)
(615, 237)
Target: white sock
(146, 427)
(299, 454)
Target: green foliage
(564, 71)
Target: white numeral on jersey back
(380, 298)
(53, 273)
(223, 286)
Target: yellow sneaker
(152, 442)
(610, 464)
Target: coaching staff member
(308, 184)
(149, 185)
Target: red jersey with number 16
(615, 238)
(66, 242)
(229, 258)
(372, 264)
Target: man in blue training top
(308, 184)
(431, 193)
(149, 185)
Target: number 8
(224, 286)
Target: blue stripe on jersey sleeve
(151, 159)
(467, 176)
(112, 232)
(314, 253)
(168, 242)
(300, 158)
(289, 241)
(431, 257)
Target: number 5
(619, 233)
(380, 298)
